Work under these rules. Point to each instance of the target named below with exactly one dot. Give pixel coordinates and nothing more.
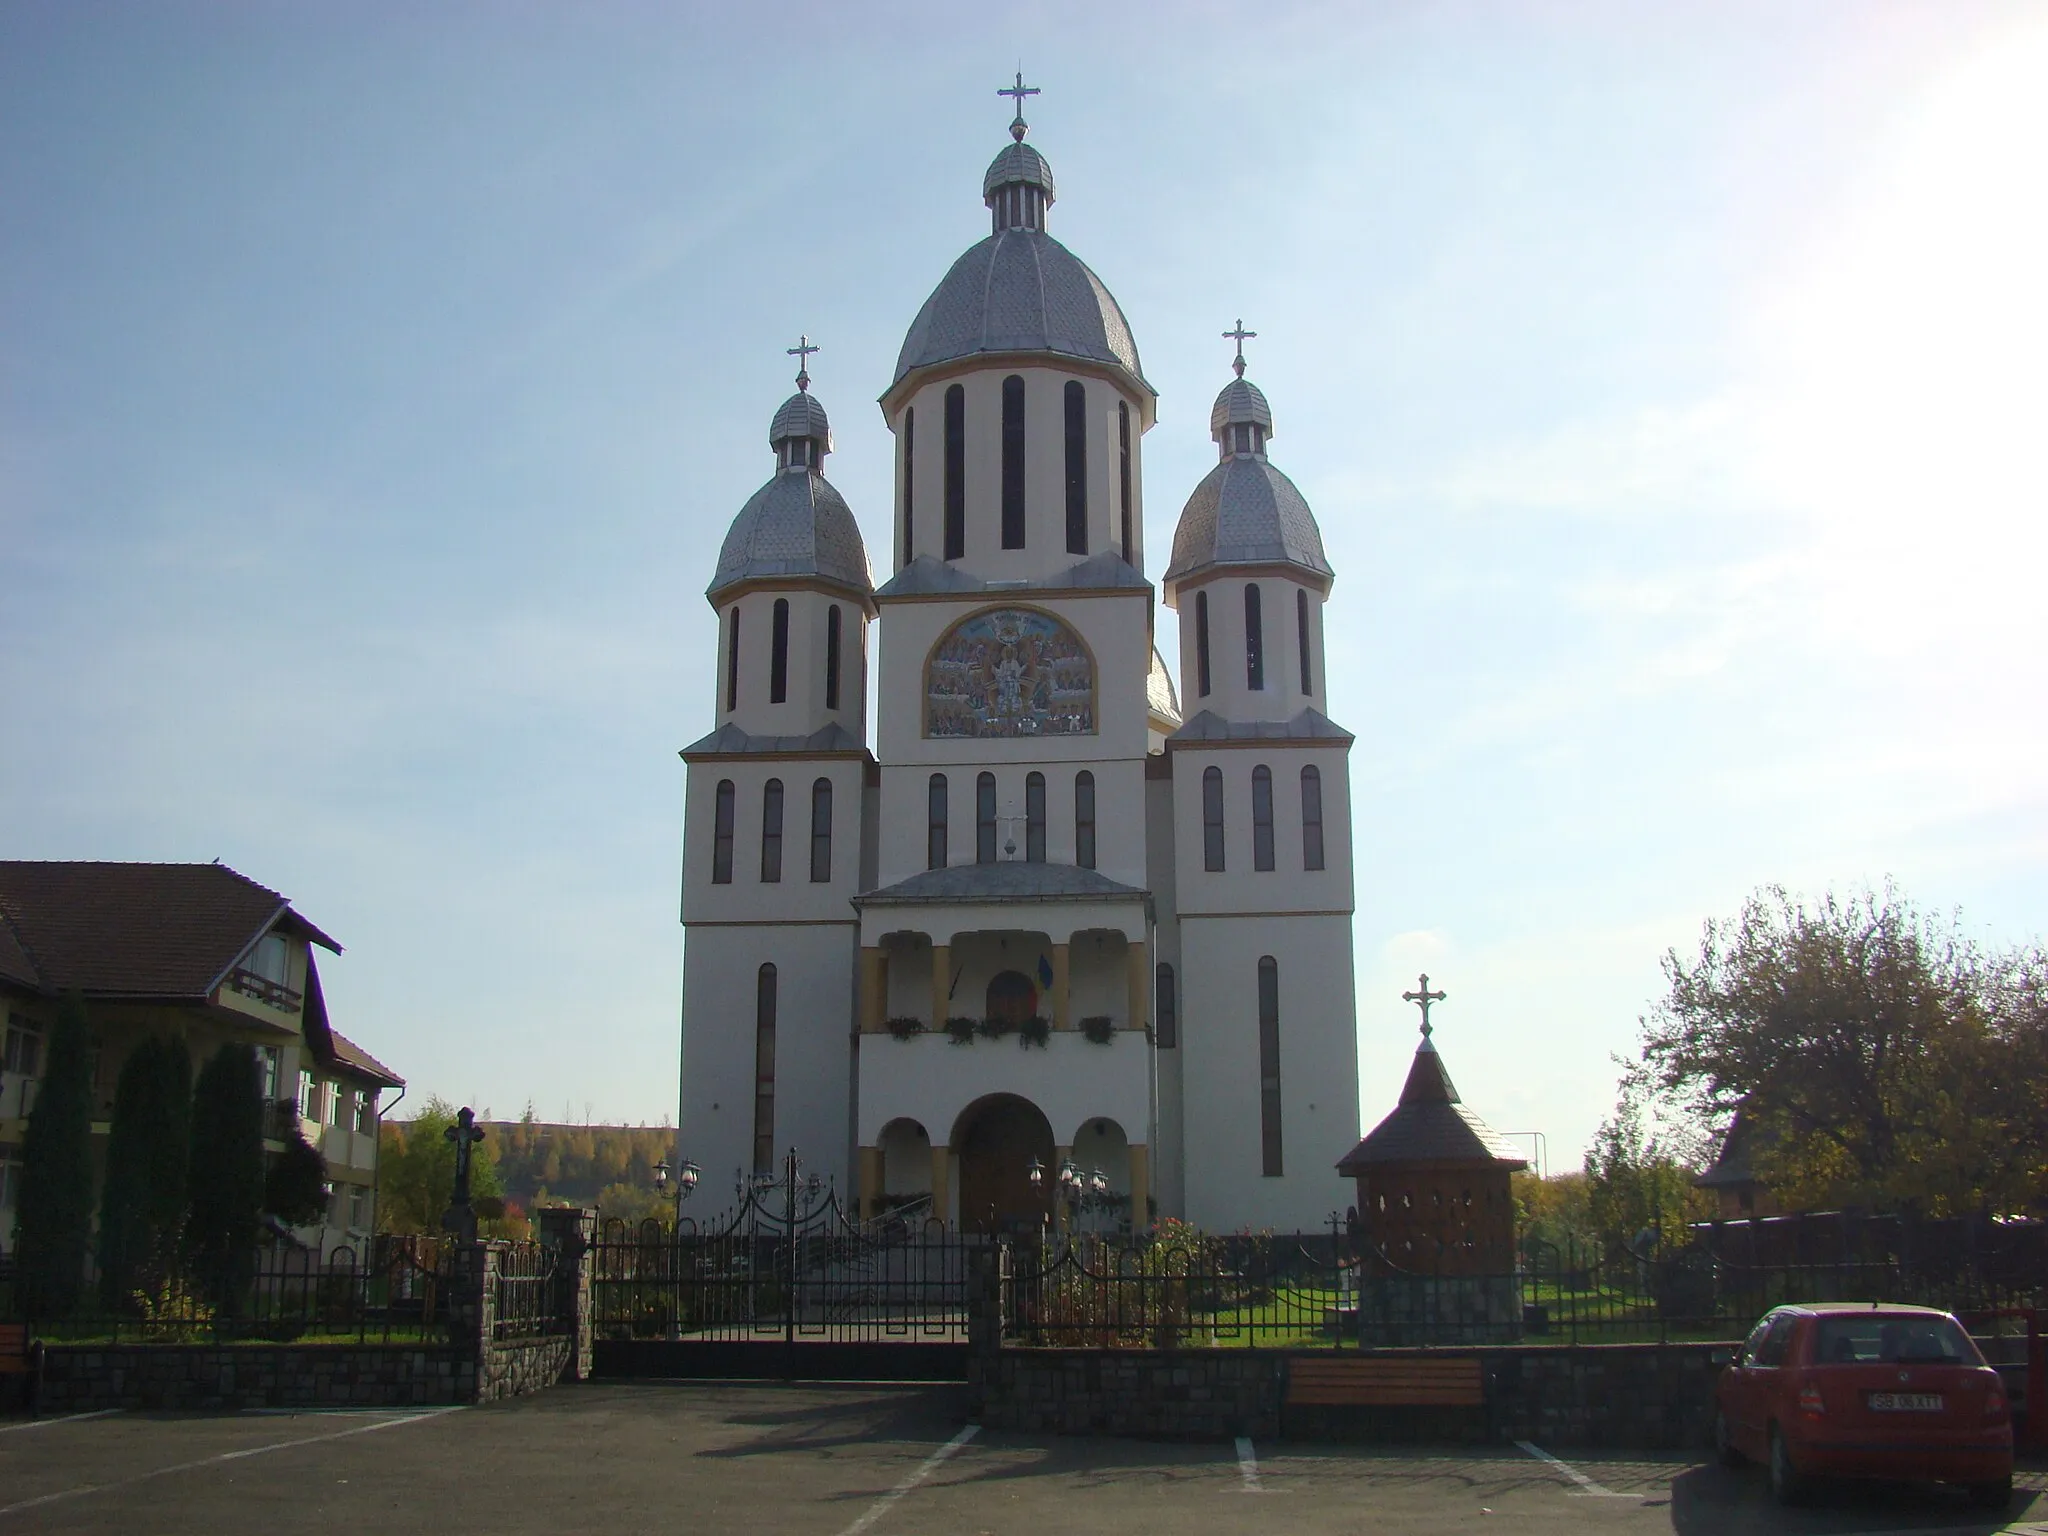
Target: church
(1074, 907)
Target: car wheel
(1992, 1495)
(1724, 1443)
(1787, 1485)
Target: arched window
(1077, 468)
(1013, 462)
(764, 1070)
(1167, 1031)
(935, 822)
(1202, 644)
(956, 473)
(1034, 818)
(771, 832)
(821, 831)
(1212, 818)
(985, 819)
(1269, 1066)
(1301, 630)
(721, 834)
(832, 657)
(1254, 640)
(1123, 477)
(1084, 819)
(732, 661)
(1311, 818)
(909, 495)
(778, 654)
(1262, 817)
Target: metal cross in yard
(1423, 999)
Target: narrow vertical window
(935, 822)
(1077, 468)
(1301, 631)
(1202, 644)
(985, 819)
(771, 832)
(1167, 1011)
(721, 834)
(832, 657)
(1212, 818)
(764, 1070)
(1084, 819)
(1254, 640)
(1269, 1066)
(909, 485)
(1123, 477)
(956, 473)
(778, 653)
(821, 831)
(1034, 818)
(1013, 462)
(1262, 817)
(732, 662)
(1311, 818)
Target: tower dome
(1245, 512)
(796, 525)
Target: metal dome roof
(1160, 697)
(1020, 290)
(800, 416)
(1240, 401)
(1018, 162)
(796, 525)
(1245, 512)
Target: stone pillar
(1062, 1015)
(1139, 980)
(874, 988)
(1141, 1185)
(571, 1231)
(1061, 1156)
(870, 1181)
(472, 1312)
(941, 1169)
(988, 1267)
(942, 984)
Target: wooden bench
(1396, 1381)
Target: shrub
(1035, 1030)
(905, 1027)
(961, 1030)
(993, 1028)
(1099, 1028)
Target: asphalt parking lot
(847, 1460)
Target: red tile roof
(348, 1054)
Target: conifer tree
(143, 1198)
(53, 1217)
(226, 1172)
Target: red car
(1840, 1389)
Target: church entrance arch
(997, 1137)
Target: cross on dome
(802, 353)
(1424, 997)
(1241, 336)
(1018, 91)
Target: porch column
(1141, 1185)
(1060, 1019)
(940, 1160)
(1061, 1156)
(1140, 989)
(942, 983)
(870, 1181)
(874, 988)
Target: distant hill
(538, 1162)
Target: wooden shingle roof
(1430, 1125)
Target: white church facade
(1061, 911)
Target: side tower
(773, 845)
(1264, 1086)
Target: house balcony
(261, 989)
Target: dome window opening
(1247, 437)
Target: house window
(358, 1208)
(1254, 640)
(732, 661)
(956, 473)
(771, 832)
(764, 1069)
(1034, 818)
(1167, 1032)
(24, 1046)
(268, 1062)
(1269, 1066)
(1123, 475)
(309, 1107)
(337, 1113)
(1262, 817)
(985, 819)
(1084, 819)
(1301, 631)
(821, 831)
(1013, 462)
(832, 657)
(909, 465)
(1202, 644)
(778, 654)
(721, 834)
(366, 1111)
(935, 822)
(1311, 818)
(1077, 468)
(1212, 818)
(268, 958)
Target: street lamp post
(685, 1186)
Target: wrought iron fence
(530, 1292)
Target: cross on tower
(1019, 91)
(1240, 336)
(802, 353)
(1423, 999)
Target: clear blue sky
(377, 382)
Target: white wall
(1072, 1081)
(1288, 886)
(803, 710)
(1230, 695)
(796, 897)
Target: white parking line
(62, 1418)
(1586, 1485)
(208, 1461)
(1248, 1468)
(916, 1475)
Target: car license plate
(1905, 1402)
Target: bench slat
(1368, 1382)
